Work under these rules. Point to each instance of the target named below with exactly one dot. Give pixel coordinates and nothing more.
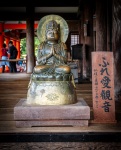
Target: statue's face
(52, 35)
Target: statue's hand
(50, 53)
(53, 50)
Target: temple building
(94, 52)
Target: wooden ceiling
(16, 10)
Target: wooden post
(14, 42)
(116, 46)
(88, 20)
(84, 61)
(82, 41)
(1, 38)
(87, 36)
(109, 25)
(18, 48)
(7, 39)
(103, 87)
(101, 25)
(30, 39)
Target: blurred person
(4, 57)
(13, 55)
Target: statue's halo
(42, 27)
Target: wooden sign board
(103, 87)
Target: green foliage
(23, 47)
(36, 44)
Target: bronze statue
(51, 76)
(52, 55)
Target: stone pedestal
(77, 114)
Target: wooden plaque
(103, 87)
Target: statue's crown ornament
(52, 25)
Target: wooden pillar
(87, 37)
(109, 25)
(30, 39)
(1, 38)
(88, 20)
(84, 62)
(101, 25)
(18, 48)
(83, 42)
(14, 42)
(7, 39)
(117, 45)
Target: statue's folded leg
(43, 72)
(64, 69)
(63, 73)
(41, 68)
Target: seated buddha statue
(52, 55)
(51, 82)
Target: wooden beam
(15, 16)
(66, 16)
(37, 3)
(17, 26)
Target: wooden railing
(20, 67)
(13, 60)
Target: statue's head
(52, 31)
(55, 23)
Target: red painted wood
(7, 39)
(18, 48)
(1, 38)
(17, 26)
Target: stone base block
(52, 123)
(76, 114)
